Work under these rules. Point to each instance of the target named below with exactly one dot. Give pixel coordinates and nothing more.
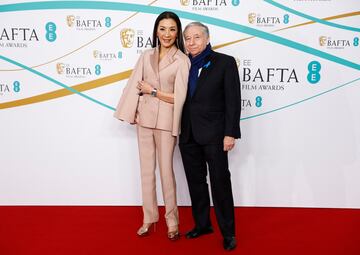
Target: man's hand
(229, 143)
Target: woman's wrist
(154, 92)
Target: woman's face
(167, 32)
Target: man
(209, 127)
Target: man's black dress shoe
(198, 232)
(229, 243)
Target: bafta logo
(60, 68)
(252, 18)
(184, 2)
(70, 20)
(95, 53)
(322, 40)
(127, 37)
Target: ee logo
(314, 68)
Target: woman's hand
(144, 87)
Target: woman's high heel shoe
(174, 235)
(144, 230)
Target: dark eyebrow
(166, 27)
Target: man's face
(195, 40)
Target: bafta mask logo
(252, 18)
(322, 40)
(95, 53)
(127, 37)
(184, 2)
(70, 20)
(60, 68)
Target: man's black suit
(212, 113)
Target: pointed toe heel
(145, 229)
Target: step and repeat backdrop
(64, 64)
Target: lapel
(165, 61)
(154, 62)
(168, 58)
(204, 73)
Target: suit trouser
(194, 158)
(151, 141)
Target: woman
(153, 99)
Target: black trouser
(195, 157)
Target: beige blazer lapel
(128, 104)
(154, 62)
(168, 59)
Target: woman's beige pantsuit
(157, 125)
(152, 142)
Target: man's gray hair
(198, 24)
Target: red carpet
(108, 230)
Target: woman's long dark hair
(179, 38)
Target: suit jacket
(171, 76)
(214, 110)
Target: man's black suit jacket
(214, 109)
